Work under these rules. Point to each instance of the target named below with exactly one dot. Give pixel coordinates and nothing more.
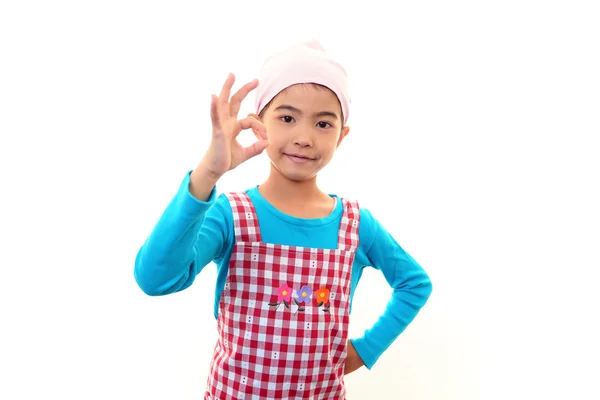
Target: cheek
(275, 146)
(276, 136)
(329, 144)
(274, 141)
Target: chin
(295, 176)
(299, 179)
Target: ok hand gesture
(225, 152)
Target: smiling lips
(298, 158)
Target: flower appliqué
(284, 295)
(303, 298)
(322, 299)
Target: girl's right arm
(193, 229)
(187, 237)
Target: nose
(303, 138)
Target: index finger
(240, 95)
(253, 123)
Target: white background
(474, 139)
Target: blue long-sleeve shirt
(191, 234)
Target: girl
(289, 255)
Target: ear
(258, 136)
(343, 134)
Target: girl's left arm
(411, 289)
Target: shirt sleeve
(411, 289)
(187, 237)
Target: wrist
(203, 173)
(202, 182)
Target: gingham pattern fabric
(283, 315)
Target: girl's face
(304, 127)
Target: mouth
(298, 158)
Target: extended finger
(226, 90)
(253, 123)
(214, 112)
(240, 95)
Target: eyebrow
(318, 114)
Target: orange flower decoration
(322, 296)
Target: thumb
(255, 149)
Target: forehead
(309, 95)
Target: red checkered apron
(283, 315)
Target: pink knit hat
(304, 63)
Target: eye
(324, 124)
(286, 118)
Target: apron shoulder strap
(245, 221)
(348, 233)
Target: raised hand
(225, 152)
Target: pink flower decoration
(284, 293)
